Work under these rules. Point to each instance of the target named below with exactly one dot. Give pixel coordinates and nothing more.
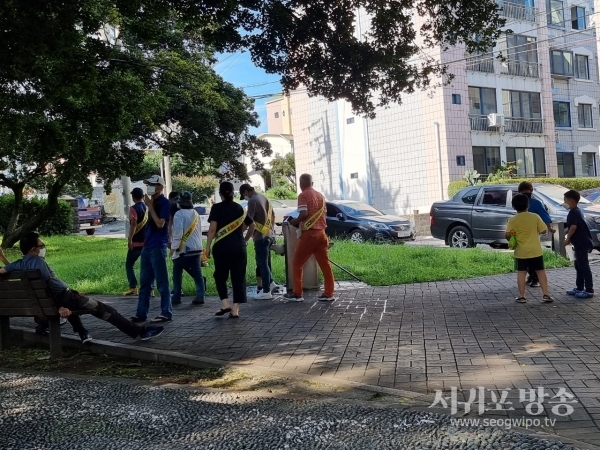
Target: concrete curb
(421, 401)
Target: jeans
(313, 242)
(192, 265)
(231, 261)
(584, 273)
(261, 250)
(132, 256)
(74, 301)
(154, 267)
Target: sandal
(231, 316)
(547, 299)
(222, 311)
(160, 319)
(521, 300)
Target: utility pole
(167, 164)
(126, 186)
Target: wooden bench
(26, 294)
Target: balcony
(523, 126)
(512, 125)
(510, 67)
(516, 11)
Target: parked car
(280, 209)
(203, 211)
(593, 195)
(360, 222)
(479, 214)
(90, 217)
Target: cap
(174, 195)
(137, 192)
(245, 187)
(155, 179)
(185, 200)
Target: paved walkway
(419, 337)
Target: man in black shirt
(580, 237)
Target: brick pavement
(418, 337)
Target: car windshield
(359, 209)
(556, 193)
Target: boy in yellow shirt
(526, 228)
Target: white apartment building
(538, 108)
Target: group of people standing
(161, 226)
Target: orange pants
(313, 242)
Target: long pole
(126, 186)
(439, 158)
(167, 163)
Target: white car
(203, 211)
(279, 208)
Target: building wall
(278, 115)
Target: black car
(360, 222)
(479, 214)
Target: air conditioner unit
(495, 120)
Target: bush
(61, 222)
(201, 188)
(578, 184)
(282, 193)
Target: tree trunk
(12, 236)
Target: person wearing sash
(260, 210)
(228, 220)
(154, 254)
(138, 220)
(313, 240)
(186, 248)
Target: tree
(72, 103)
(284, 167)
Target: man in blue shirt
(153, 260)
(67, 300)
(536, 207)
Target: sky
(239, 70)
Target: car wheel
(460, 237)
(90, 231)
(357, 236)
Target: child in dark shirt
(580, 237)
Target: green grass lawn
(96, 265)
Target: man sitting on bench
(68, 300)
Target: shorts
(524, 264)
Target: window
(456, 99)
(562, 114)
(470, 196)
(460, 160)
(332, 211)
(585, 116)
(578, 18)
(529, 161)
(522, 55)
(588, 164)
(283, 113)
(354, 175)
(486, 159)
(482, 101)
(561, 62)
(555, 13)
(582, 67)
(496, 197)
(350, 121)
(277, 115)
(566, 164)
(524, 105)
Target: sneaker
(584, 294)
(574, 291)
(132, 291)
(85, 337)
(275, 287)
(291, 297)
(535, 284)
(41, 330)
(136, 319)
(198, 301)
(324, 298)
(263, 296)
(151, 332)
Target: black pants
(231, 262)
(74, 301)
(533, 278)
(584, 273)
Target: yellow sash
(228, 229)
(266, 228)
(311, 220)
(188, 232)
(143, 223)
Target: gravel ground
(45, 412)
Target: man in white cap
(154, 254)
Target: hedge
(201, 188)
(578, 184)
(61, 222)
